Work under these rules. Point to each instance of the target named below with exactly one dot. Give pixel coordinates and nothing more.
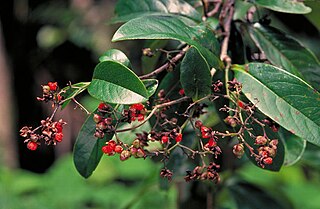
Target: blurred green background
(43, 41)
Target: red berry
(179, 137)
(205, 132)
(112, 144)
(241, 104)
(261, 140)
(108, 121)
(212, 143)
(181, 92)
(101, 126)
(103, 107)
(58, 126)
(164, 139)
(138, 107)
(238, 150)
(59, 97)
(140, 117)
(198, 124)
(58, 137)
(125, 154)
(53, 86)
(32, 145)
(264, 153)
(97, 118)
(204, 129)
(118, 149)
(267, 161)
(107, 149)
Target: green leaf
(286, 6)
(115, 55)
(248, 196)
(127, 10)
(294, 147)
(87, 149)
(113, 82)
(205, 36)
(166, 27)
(151, 86)
(284, 51)
(195, 75)
(72, 91)
(283, 97)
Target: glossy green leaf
(294, 147)
(87, 149)
(206, 37)
(127, 10)
(286, 6)
(115, 55)
(283, 97)
(113, 82)
(249, 196)
(151, 86)
(72, 91)
(284, 51)
(166, 27)
(195, 75)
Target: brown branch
(166, 65)
(215, 9)
(225, 19)
(153, 111)
(205, 9)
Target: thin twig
(81, 106)
(215, 9)
(166, 65)
(205, 8)
(153, 112)
(225, 19)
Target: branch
(166, 65)
(215, 9)
(225, 19)
(153, 111)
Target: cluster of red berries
(50, 132)
(135, 150)
(165, 138)
(103, 120)
(137, 111)
(50, 93)
(267, 150)
(209, 172)
(208, 133)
